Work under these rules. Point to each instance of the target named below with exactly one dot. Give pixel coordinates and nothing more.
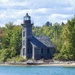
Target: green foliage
(16, 39)
(48, 24)
(12, 37)
(68, 48)
(6, 53)
(1, 36)
(15, 59)
(62, 36)
(10, 43)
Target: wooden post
(33, 49)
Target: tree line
(62, 35)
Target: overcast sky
(39, 10)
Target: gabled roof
(41, 41)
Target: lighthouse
(26, 50)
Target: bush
(15, 59)
(6, 54)
(59, 57)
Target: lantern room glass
(27, 17)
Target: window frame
(23, 51)
(23, 33)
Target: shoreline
(63, 64)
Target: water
(34, 70)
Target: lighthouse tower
(26, 50)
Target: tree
(9, 25)
(16, 39)
(1, 36)
(7, 35)
(57, 31)
(68, 48)
(48, 24)
(62, 24)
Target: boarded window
(23, 33)
(41, 50)
(23, 42)
(47, 50)
(23, 51)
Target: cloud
(59, 18)
(39, 10)
(3, 1)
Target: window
(23, 51)
(23, 42)
(23, 33)
(41, 50)
(47, 50)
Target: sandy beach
(66, 65)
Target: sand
(55, 63)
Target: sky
(40, 11)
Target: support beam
(33, 51)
